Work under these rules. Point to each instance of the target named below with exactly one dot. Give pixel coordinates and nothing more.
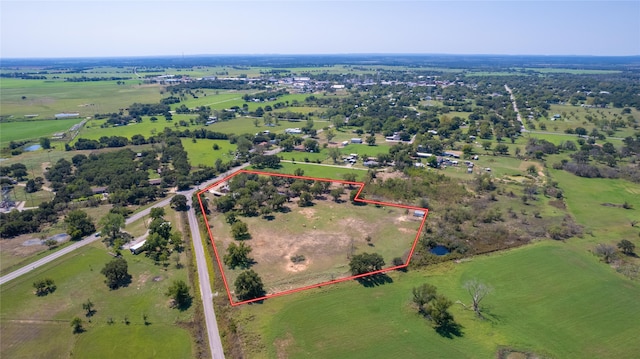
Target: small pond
(439, 250)
(32, 148)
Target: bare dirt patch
(282, 345)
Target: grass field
(352, 321)
(201, 153)
(25, 318)
(325, 233)
(32, 130)
(315, 170)
(48, 97)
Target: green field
(534, 307)
(24, 317)
(48, 97)
(32, 130)
(201, 153)
(316, 170)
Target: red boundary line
(295, 290)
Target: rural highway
(66, 250)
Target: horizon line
(308, 55)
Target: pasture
(32, 130)
(547, 299)
(317, 170)
(201, 153)
(25, 318)
(48, 97)
(326, 234)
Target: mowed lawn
(29, 323)
(32, 130)
(547, 299)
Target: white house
(356, 140)
(137, 248)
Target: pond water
(32, 148)
(439, 250)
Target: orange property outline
(295, 290)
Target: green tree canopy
(365, 263)
(249, 285)
(116, 273)
(79, 224)
(179, 293)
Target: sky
(95, 28)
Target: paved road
(215, 344)
(66, 250)
(515, 108)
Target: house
(344, 143)
(155, 181)
(356, 140)
(293, 131)
(418, 213)
(99, 190)
(137, 248)
(371, 163)
(433, 132)
(424, 154)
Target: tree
(438, 311)
(249, 285)
(44, 286)
(88, 306)
(116, 273)
(76, 324)
(179, 293)
(336, 193)
(239, 230)
(156, 212)
(334, 154)
(310, 145)
(486, 145)
(423, 295)
(179, 203)
(238, 256)
(606, 251)
(306, 199)
(365, 263)
(330, 135)
(371, 140)
(79, 224)
(477, 290)
(45, 143)
(502, 149)
(626, 247)
(111, 225)
(31, 186)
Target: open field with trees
(140, 309)
(298, 244)
(552, 284)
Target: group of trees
(162, 240)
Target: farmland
(538, 215)
(518, 310)
(33, 130)
(326, 234)
(78, 278)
